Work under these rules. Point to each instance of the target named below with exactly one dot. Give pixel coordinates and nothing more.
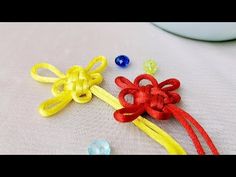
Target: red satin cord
(158, 101)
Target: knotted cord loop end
(75, 84)
(151, 98)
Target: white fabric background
(206, 71)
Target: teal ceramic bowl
(207, 31)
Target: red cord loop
(151, 98)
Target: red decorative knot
(151, 98)
(158, 100)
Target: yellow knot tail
(153, 131)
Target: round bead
(122, 61)
(150, 66)
(99, 147)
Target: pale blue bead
(99, 147)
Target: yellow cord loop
(74, 85)
(79, 84)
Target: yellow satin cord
(79, 84)
(146, 126)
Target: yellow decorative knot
(74, 85)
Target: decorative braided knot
(74, 85)
(151, 98)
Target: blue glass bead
(99, 147)
(122, 61)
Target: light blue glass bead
(99, 147)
